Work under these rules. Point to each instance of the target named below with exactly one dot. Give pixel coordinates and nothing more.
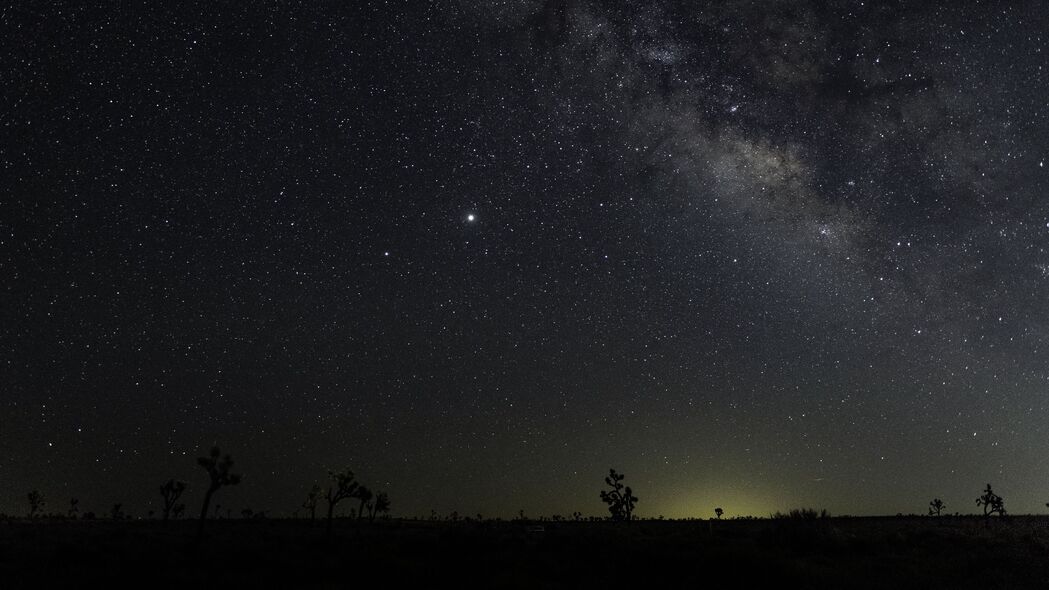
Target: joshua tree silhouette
(311, 502)
(219, 473)
(718, 512)
(381, 504)
(36, 502)
(171, 491)
(117, 512)
(936, 506)
(342, 486)
(364, 495)
(620, 499)
(991, 502)
(73, 509)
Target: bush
(801, 514)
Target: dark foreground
(949, 552)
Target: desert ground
(890, 552)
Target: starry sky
(757, 255)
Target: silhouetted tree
(219, 474)
(364, 495)
(178, 510)
(73, 508)
(117, 512)
(620, 499)
(342, 486)
(36, 502)
(247, 513)
(718, 512)
(171, 491)
(381, 504)
(991, 502)
(311, 502)
(936, 506)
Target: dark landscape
(886, 552)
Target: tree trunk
(360, 511)
(331, 508)
(204, 512)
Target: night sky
(761, 255)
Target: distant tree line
(219, 469)
(342, 485)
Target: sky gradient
(758, 256)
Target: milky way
(758, 255)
